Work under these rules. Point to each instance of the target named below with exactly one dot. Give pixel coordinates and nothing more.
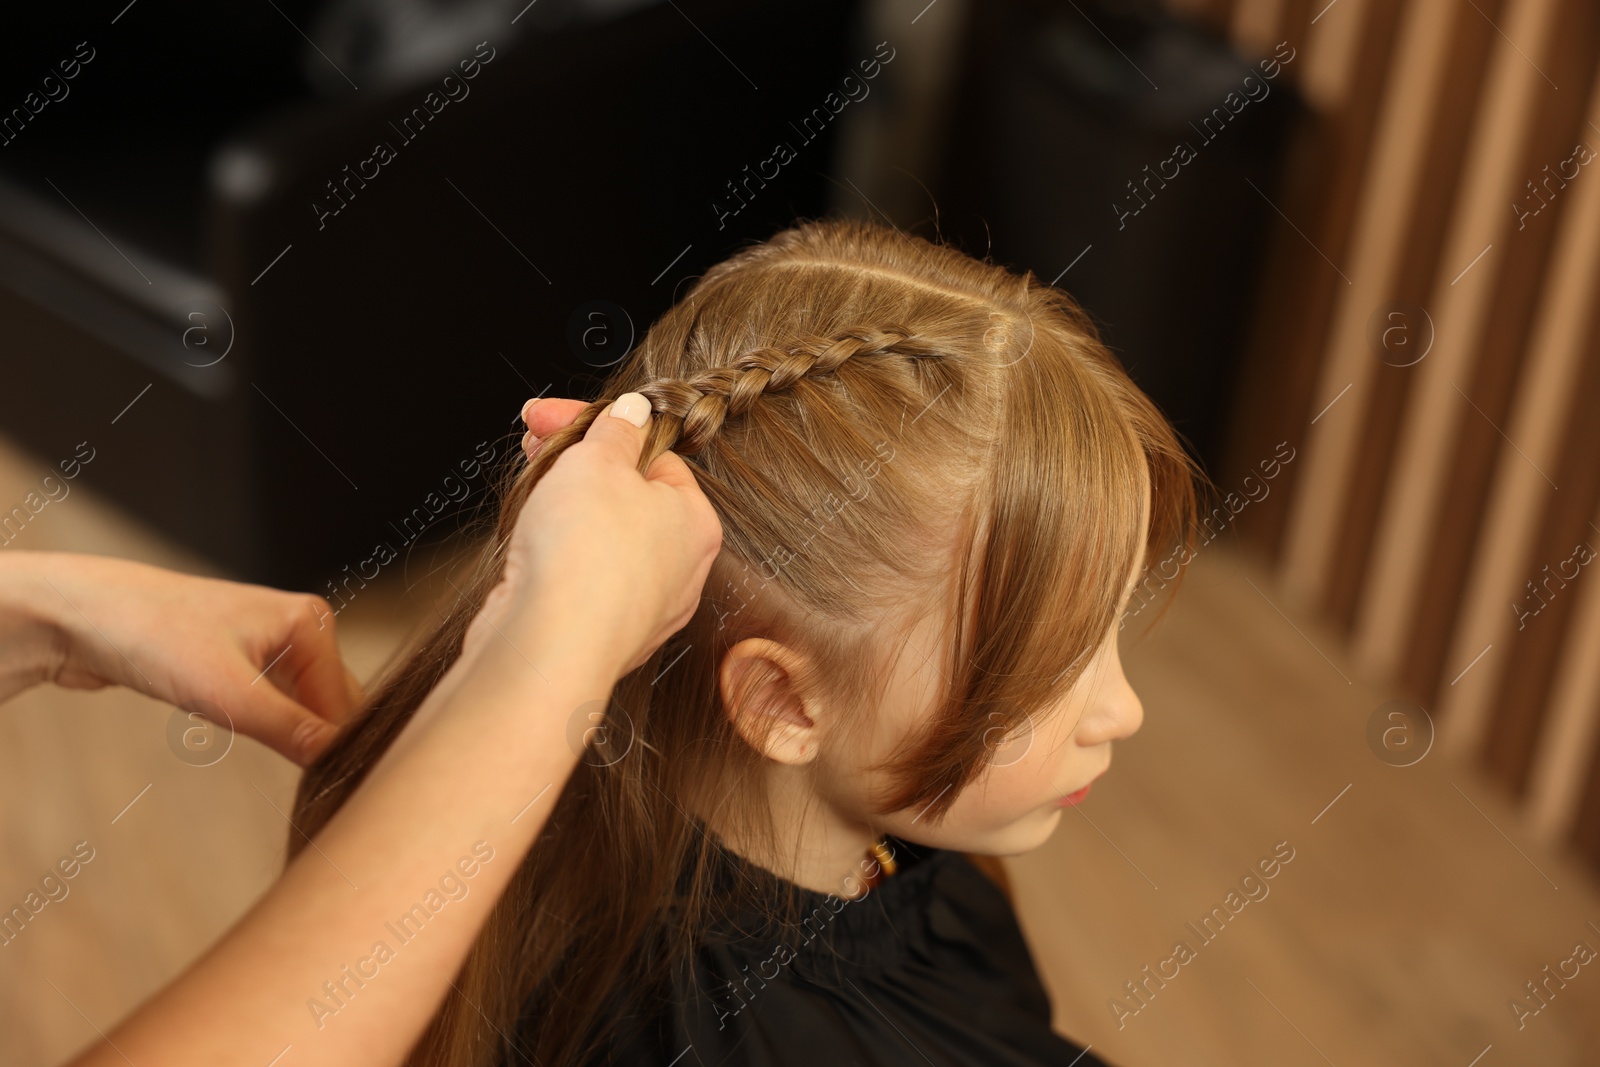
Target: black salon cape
(929, 967)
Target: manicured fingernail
(527, 409)
(633, 407)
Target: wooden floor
(1412, 912)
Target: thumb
(620, 430)
(288, 728)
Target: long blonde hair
(886, 428)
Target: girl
(936, 488)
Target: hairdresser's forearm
(467, 776)
(31, 627)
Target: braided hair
(888, 430)
(695, 408)
(702, 402)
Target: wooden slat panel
(1390, 186)
(1347, 61)
(1458, 306)
(1220, 13)
(1561, 801)
(1586, 824)
(1563, 331)
(1409, 518)
(1564, 536)
(1214, 13)
(1530, 267)
(1254, 28)
(1294, 25)
(1568, 748)
(1447, 141)
(1347, 67)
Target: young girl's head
(936, 487)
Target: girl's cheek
(1016, 790)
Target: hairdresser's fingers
(310, 669)
(289, 729)
(545, 415)
(703, 533)
(619, 432)
(698, 540)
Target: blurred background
(276, 277)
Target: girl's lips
(1073, 799)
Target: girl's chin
(1026, 834)
(1013, 839)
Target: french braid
(704, 400)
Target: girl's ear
(758, 678)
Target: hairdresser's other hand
(623, 555)
(267, 658)
(544, 416)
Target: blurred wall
(1430, 313)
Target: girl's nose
(1117, 712)
(1130, 710)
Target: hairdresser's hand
(626, 556)
(544, 416)
(267, 658)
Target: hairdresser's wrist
(570, 635)
(607, 613)
(542, 653)
(33, 629)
